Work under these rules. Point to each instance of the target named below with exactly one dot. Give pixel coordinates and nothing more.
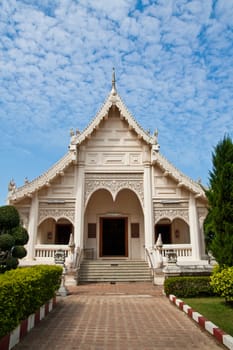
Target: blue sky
(174, 69)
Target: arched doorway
(62, 231)
(114, 227)
(174, 231)
(51, 231)
(164, 228)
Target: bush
(11, 262)
(12, 238)
(222, 282)
(188, 287)
(9, 218)
(19, 252)
(23, 291)
(20, 235)
(6, 241)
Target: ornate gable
(113, 100)
(112, 106)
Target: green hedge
(222, 282)
(188, 286)
(23, 291)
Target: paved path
(129, 316)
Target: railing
(183, 251)
(77, 262)
(47, 251)
(78, 258)
(150, 263)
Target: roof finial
(113, 82)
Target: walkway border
(210, 327)
(14, 337)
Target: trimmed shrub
(19, 252)
(23, 291)
(188, 287)
(222, 282)
(11, 262)
(9, 218)
(20, 235)
(6, 241)
(12, 238)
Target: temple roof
(113, 99)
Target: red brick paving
(122, 316)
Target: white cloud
(173, 63)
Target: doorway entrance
(63, 232)
(165, 231)
(113, 237)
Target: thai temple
(113, 197)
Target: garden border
(14, 337)
(210, 327)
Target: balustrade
(47, 251)
(183, 251)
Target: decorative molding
(24, 217)
(56, 213)
(56, 204)
(171, 214)
(202, 213)
(114, 183)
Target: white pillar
(194, 228)
(33, 227)
(148, 207)
(79, 206)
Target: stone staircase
(114, 271)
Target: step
(114, 271)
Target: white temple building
(112, 194)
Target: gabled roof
(181, 179)
(113, 99)
(29, 188)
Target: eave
(181, 179)
(43, 180)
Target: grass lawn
(215, 310)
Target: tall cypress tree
(219, 222)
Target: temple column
(148, 207)
(194, 228)
(79, 206)
(33, 227)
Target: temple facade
(112, 194)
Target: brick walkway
(134, 316)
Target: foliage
(218, 225)
(20, 235)
(188, 286)
(12, 238)
(6, 241)
(23, 291)
(222, 282)
(19, 252)
(9, 218)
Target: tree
(218, 225)
(13, 237)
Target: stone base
(187, 270)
